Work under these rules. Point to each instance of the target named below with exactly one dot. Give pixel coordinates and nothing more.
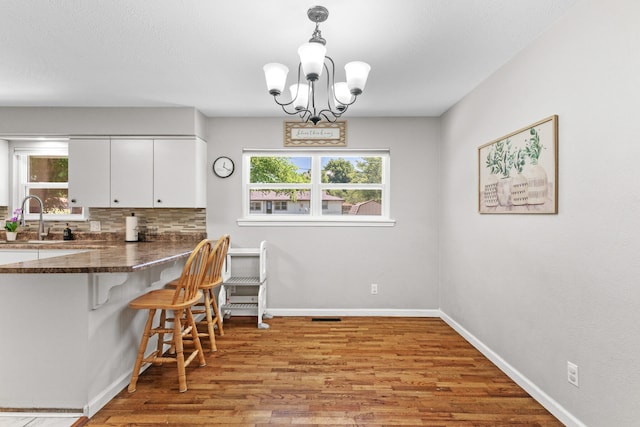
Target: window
(41, 169)
(320, 186)
(256, 207)
(280, 206)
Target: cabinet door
(131, 173)
(179, 173)
(89, 173)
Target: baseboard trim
(40, 413)
(540, 396)
(107, 394)
(346, 312)
(112, 391)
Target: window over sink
(41, 168)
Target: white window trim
(19, 185)
(264, 220)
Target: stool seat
(161, 299)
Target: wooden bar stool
(179, 301)
(213, 278)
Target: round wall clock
(223, 167)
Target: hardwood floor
(360, 371)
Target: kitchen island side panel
(70, 340)
(43, 328)
(115, 331)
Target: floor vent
(326, 319)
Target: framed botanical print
(518, 173)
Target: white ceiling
(208, 54)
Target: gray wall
(330, 269)
(52, 121)
(541, 290)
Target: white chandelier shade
(357, 74)
(312, 60)
(306, 101)
(343, 95)
(276, 77)
(299, 95)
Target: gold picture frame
(324, 134)
(518, 173)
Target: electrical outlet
(94, 225)
(374, 289)
(572, 373)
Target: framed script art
(324, 134)
(518, 173)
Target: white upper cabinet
(138, 173)
(89, 172)
(179, 174)
(132, 173)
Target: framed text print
(324, 134)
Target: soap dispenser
(66, 234)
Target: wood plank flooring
(360, 371)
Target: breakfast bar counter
(95, 256)
(69, 338)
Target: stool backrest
(193, 272)
(217, 256)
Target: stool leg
(177, 342)
(196, 338)
(162, 326)
(207, 312)
(217, 313)
(143, 346)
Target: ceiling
(208, 54)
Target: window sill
(263, 221)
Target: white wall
(541, 290)
(330, 269)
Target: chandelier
(313, 60)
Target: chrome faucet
(41, 233)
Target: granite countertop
(98, 256)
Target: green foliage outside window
(276, 170)
(338, 171)
(44, 169)
(367, 170)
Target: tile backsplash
(150, 221)
(159, 220)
